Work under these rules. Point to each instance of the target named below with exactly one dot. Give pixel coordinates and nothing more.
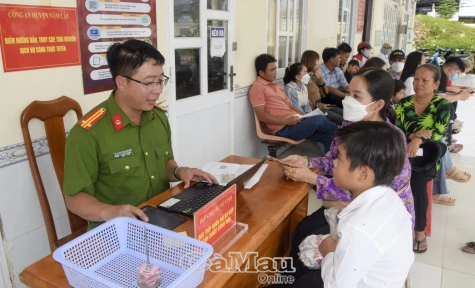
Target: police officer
(120, 154)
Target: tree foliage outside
(433, 32)
(447, 8)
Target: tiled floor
(444, 265)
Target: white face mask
(397, 66)
(386, 51)
(366, 53)
(353, 110)
(305, 79)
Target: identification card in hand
(280, 162)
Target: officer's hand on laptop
(124, 211)
(187, 175)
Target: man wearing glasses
(120, 154)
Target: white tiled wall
(25, 237)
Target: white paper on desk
(254, 179)
(217, 169)
(316, 112)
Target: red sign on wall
(216, 218)
(361, 14)
(35, 37)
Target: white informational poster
(218, 42)
(467, 9)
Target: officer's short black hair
(124, 58)
(329, 53)
(262, 61)
(455, 62)
(375, 145)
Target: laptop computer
(194, 198)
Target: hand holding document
(316, 112)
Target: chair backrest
(52, 114)
(264, 134)
(261, 128)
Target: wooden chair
(52, 114)
(273, 142)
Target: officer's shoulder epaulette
(160, 107)
(90, 120)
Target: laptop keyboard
(190, 205)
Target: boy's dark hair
(262, 61)
(329, 53)
(398, 86)
(455, 62)
(354, 63)
(376, 145)
(291, 72)
(124, 58)
(344, 48)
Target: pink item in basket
(149, 276)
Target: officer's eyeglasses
(162, 82)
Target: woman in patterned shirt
(423, 117)
(372, 88)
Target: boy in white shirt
(375, 235)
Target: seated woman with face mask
(371, 91)
(295, 79)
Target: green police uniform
(116, 161)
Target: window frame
(302, 37)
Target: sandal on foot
(456, 148)
(470, 244)
(419, 243)
(469, 248)
(443, 200)
(456, 176)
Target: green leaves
(447, 8)
(433, 32)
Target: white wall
(251, 36)
(24, 239)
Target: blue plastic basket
(109, 255)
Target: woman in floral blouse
(423, 116)
(372, 89)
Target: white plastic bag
(332, 218)
(309, 253)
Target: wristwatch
(176, 175)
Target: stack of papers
(226, 172)
(316, 112)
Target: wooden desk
(272, 209)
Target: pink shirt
(272, 96)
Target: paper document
(253, 181)
(226, 172)
(316, 112)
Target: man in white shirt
(375, 230)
